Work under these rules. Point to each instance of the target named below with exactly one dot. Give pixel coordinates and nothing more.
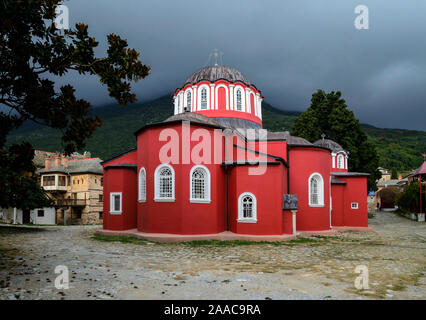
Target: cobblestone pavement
(317, 268)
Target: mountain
(397, 148)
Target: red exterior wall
(268, 190)
(120, 180)
(180, 216)
(355, 191)
(338, 201)
(303, 162)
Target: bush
(409, 199)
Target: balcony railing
(71, 202)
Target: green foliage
(32, 52)
(19, 186)
(329, 114)
(409, 200)
(394, 174)
(397, 148)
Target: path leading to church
(317, 268)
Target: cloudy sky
(288, 49)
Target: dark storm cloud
(287, 48)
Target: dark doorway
(25, 216)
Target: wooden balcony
(70, 203)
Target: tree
(409, 200)
(33, 51)
(394, 174)
(328, 114)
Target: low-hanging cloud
(289, 49)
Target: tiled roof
(420, 170)
(92, 165)
(349, 174)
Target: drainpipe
(227, 198)
(421, 195)
(14, 215)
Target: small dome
(214, 73)
(330, 144)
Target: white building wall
(6, 215)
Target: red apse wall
(180, 216)
(318, 161)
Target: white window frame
(207, 185)
(142, 195)
(111, 202)
(185, 102)
(340, 164)
(356, 205)
(240, 208)
(157, 197)
(243, 98)
(200, 90)
(320, 190)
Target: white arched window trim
(320, 182)
(216, 99)
(157, 197)
(241, 217)
(207, 185)
(142, 185)
(185, 100)
(199, 96)
(243, 98)
(340, 161)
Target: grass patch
(121, 239)
(211, 243)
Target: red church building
(211, 169)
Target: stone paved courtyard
(314, 268)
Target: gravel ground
(319, 268)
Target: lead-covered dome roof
(215, 73)
(330, 144)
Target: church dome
(222, 93)
(215, 73)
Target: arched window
(340, 161)
(247, 208)
(316, 190)
(203, 98)
(142, 185)
(239, 102)
(200, 184)
(189, 100)
(164, 183)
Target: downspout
(14, 215)
(288, 170)
(227, 198)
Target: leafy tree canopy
(394, 173)
(328, 114)
(32, 52)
